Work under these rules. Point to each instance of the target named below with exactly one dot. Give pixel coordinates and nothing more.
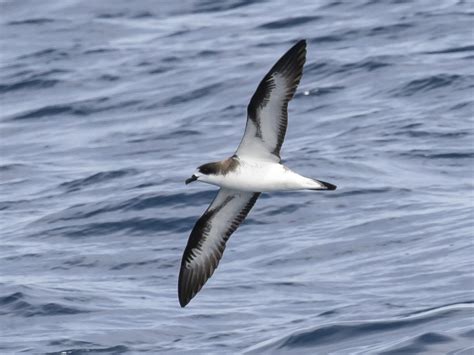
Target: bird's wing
(267, 112)
(206, 243)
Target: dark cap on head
(210, 168)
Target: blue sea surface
(106, 107)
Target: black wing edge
(191, 281)
(291, 65)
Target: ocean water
(108, 106)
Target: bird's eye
(207, 169)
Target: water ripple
(289, 22)
(17, 304)
(331, 334)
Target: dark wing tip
(190, 283)
(289, 65)
(297, 47)
(192, 279)
(293, 60)
(301, 43)
(184, 294)
(183, 301)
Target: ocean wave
(17, 304)
(329, 335)
(158, 264)
(79, 108)
(289, 22)
(124, 14)
(31, 21)
(393, 29)
(423, 343)
(48, 53)
(133, 226)
(288, 209)
(28, 84)
(86, 348)
(193, 95)
(429, 154)
(429, 83)
(323, 69)
(209, 6)
(97, 178)
(456, 49)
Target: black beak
(191, 179)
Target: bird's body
(253, 175)
(254, 168)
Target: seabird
(254, 168)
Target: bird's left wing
(207, 241)
(267, 112)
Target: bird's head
(205, 173)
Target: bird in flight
(254, 168)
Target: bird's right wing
(267, 112)
(207, 241)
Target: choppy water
(106, 107)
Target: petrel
(254, 168)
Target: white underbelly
(263, 177)
(254, 186)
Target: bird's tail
(322, 185)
